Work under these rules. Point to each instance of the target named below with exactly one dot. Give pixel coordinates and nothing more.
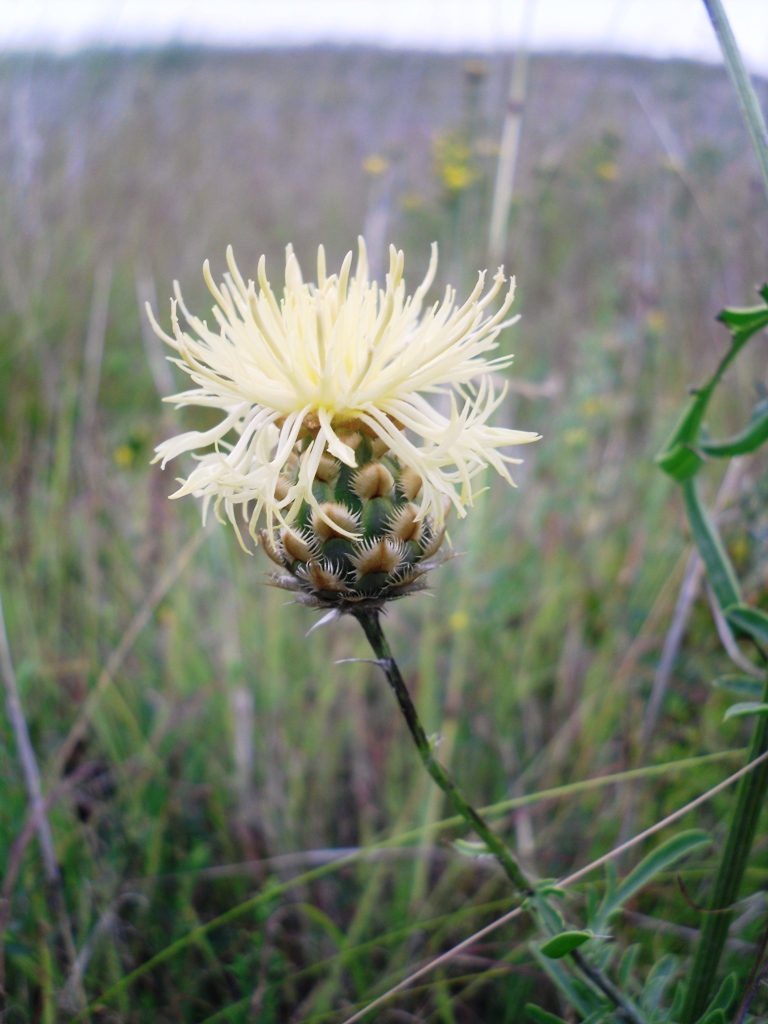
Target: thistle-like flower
(326, 430)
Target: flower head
(326, 429)
(301, 380)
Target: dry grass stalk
(563, 883)
(508, 153)
(38, 817)
(135, 627)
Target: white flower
(300, 377)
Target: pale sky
(660, 28)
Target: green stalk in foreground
(369, 620)
(745, 93)
(750, 797)
(752, 788)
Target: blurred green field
(227, 753)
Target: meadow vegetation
(203, 756)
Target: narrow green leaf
(740, 686)
(656, 983)
(736, 318)
(710, 547)
(611, 881)
(564, 943)
(686, 430)
(582, 997)
(677, 457)
(540, 1016)
(747, 440)
(743, 323)
(590, 907)
(548, 887)
(471, 849)
(681, 462)
(751, 621)
(662, 858)
(745, 709)
(627, 964)
(551, 918)
(715, 1017)
(677, 1003)
(725, 995)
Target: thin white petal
(325, 355)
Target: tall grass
(228, 758)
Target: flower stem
(756, 976)
(626, 1012)
(714, 931)
(369, 620)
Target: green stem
(750, 107)
(371, 624)
(369, 620)
(753, 787)
(749, 803)
(626, 1012)
(756, 976)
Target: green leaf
(745, 709)
(564, 943)
(747, 440)
(551, 918)
(627, 964)
(611, 881)
(725, 995)
(472, 849)
(715, 1017)
(549, 887)
(678, 457)
(710, 547)
(738, 319)
(582, 997)
(544, 1017)
(659, 977)
(740, 686)
(677, 1003)
(680, 461)
(659, 860)
(540, 1016)
(590, 909)
(751, 621)
(743, 323)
